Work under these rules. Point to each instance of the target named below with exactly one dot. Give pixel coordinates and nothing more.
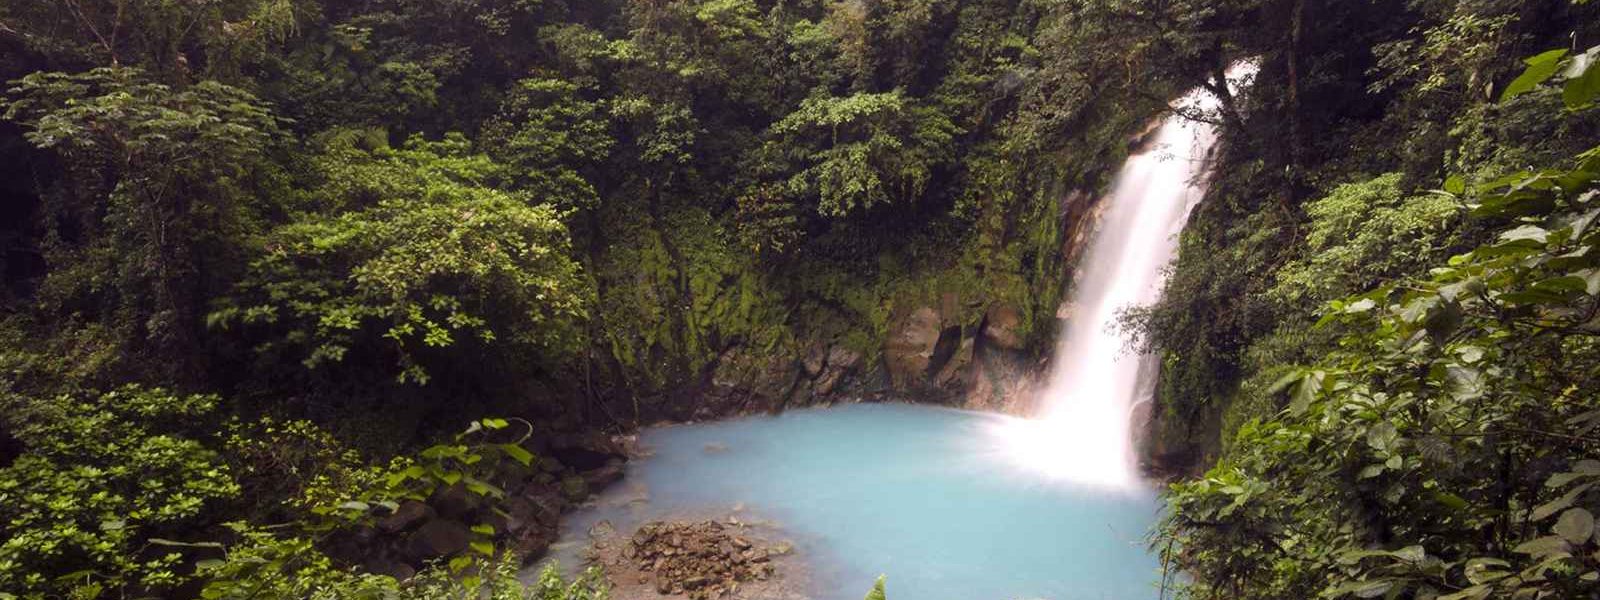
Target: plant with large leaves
(1447, 450)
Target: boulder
(957, 372)
(575, 489)
(816, 358)
(398, 570)
(840, 362)
(585, 451)
(910, 347)
(408, 515)
(455, 502)
(949, 310)
(1002, 327)
(599, 479)
(746, 381)
(438, 537)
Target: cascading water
(952, 505)
(1083, 429)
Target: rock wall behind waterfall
(942, 340)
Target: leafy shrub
(100, 479)
(1363, 233)
(852, 153)
(267, 567)
(423, 254)
(159, 183)
(1445, 450)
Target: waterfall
(1083, 429)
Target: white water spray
(1083, 430)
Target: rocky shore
(709, 559)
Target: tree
(414, 249)
(553, 138)
(851, 154)
(1445, 449)
(171, 39)
(156, 199)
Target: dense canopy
(277, 272)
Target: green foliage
(856, 152)
(265, 566)
(1364, 233)
(877, 592)
(745, 178)
(265, 562)
(170, 37)
(1445, 449)
(670, 316)
(473, 459)
(158, 186)
(551, 136)
(99, 481)
(423, 254)
(291, 467)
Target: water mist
(1083, 430)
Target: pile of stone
(705, 560)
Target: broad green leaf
(1382, 436)
(483, 547)
(167, 542)
(1310, 387)
(482, 488)
(1525, 233)
(1543, 511)
(1452, 501)
(1540, 68)
(1543, 545)
(517, 453)
(1583, 80)
(1485, 570)
(1285, 381)
(1477, 592)
(1414, 554)
(1576, 525)
(1359, 306)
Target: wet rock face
(439, 537)
(1001, 327)
(703, 560)
(910, 350)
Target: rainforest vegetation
(277, 271)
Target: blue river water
(927, 496)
